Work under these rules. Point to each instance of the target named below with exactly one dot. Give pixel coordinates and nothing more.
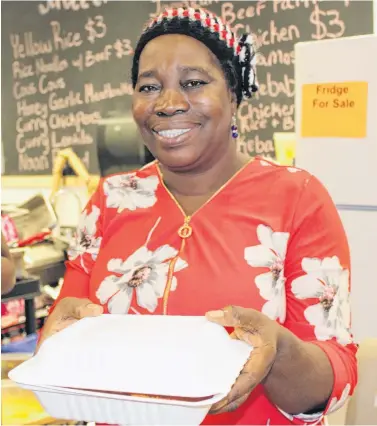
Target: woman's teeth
(173, 133)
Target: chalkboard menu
(66, 65)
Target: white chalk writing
(335, 27)
(77, 138)
(50, 114)
(107, 91)
(275, 57)
(72, 119)
(37, 163)
(273, 107)
(26, 46)
(96, 28)
(54, 65)
(21, 70)
(56, 103)
(162, 5)
(63, 40)
(68, 5)
(55, 110)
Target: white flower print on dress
(328, 282)
(312, 419)
(270, 254)
(128, 191)
(316, 418)
(85, 240)
(145, 272)
(335, 404)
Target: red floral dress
(270, 239)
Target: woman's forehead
(176, 50)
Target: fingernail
(215, 314)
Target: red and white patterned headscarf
(243, 47)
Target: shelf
(26, 288)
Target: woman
(203, 227)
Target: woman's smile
(175, 137)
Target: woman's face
(182, 103)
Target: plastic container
(92, 370)
(121, 409)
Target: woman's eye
(148, 88)
(193, 84)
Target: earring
(234, 128)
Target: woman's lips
(171, 138)
(173, 133)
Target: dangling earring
(234, 128)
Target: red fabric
(270, 224)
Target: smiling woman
(189, 127)
(204, 227)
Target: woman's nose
(171, 102)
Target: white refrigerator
(336, 136)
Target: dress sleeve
(317, 271)
(84, 249)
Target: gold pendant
(185, 231)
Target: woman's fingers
(77, 308)
(68, 311)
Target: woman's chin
(178, 161)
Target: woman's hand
(262, 334)
(68, 311)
